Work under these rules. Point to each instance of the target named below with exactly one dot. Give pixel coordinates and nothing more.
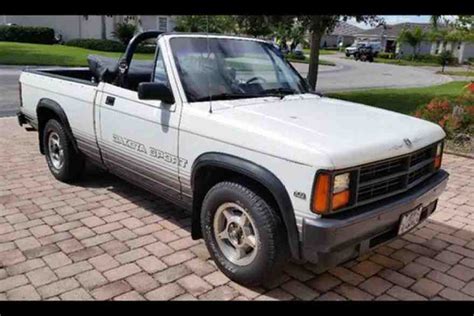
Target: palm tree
(412, 37)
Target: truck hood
(347, 133)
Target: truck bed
(78, 74)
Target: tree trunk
(314, 58)
(103, 27)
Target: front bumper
(334, 239)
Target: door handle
(110, 100)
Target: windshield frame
(267, 46)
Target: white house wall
(78, 26)
(466, 51)
(91, 28)
(423, 49)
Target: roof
(394, 30)
(345, 29)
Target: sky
(394, 19)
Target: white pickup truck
(225, 127)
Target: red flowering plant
(455, 117)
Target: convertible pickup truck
(225, 127)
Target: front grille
(386, 178)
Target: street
(346, 75)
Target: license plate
(410, 220)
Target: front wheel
(243, 233)
(63, 161)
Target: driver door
(139, 138)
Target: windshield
(219, 68)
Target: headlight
(331, 196)
(341, 182)
(439, 155)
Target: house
(90, 26)
(343, 32)
(388, 35)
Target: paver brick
(122, 271)
(151, 264)
(427, 287)
(91, 279)
(111, 290)
(142, 282)
(104, 262)
(41, 276)
(73, 269)
(69, 242)
(12, 282)
(165, 292)
(222, 293)
(26, 292)
(56, 260)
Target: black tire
(272, 251)
(73, 164)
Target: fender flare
(53, 106)
(264, 177)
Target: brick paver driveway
(104, 239)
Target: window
(162, 24)
(218, 68)
(160, 71)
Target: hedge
(107, 45)
(97, 44)
(27, 34)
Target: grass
(402, 100)
(457, 73)
(404, 62)
(321, 51)
(50, 55)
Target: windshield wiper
(229, 96)
(278, 92)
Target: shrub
(27, 34)
(295, 56)
(108, 45)
(124, 32)
(97, 44)
(455, 117)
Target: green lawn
(402, 100)
(457, 73)
(321, 51)
(55, 55)
(404, 62)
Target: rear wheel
(63, 161)
(243, 233)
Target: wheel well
(206, 177)
(44, 115)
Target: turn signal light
(340, 199)
(321, 194)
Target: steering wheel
(255, 79)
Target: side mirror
(155, 91)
